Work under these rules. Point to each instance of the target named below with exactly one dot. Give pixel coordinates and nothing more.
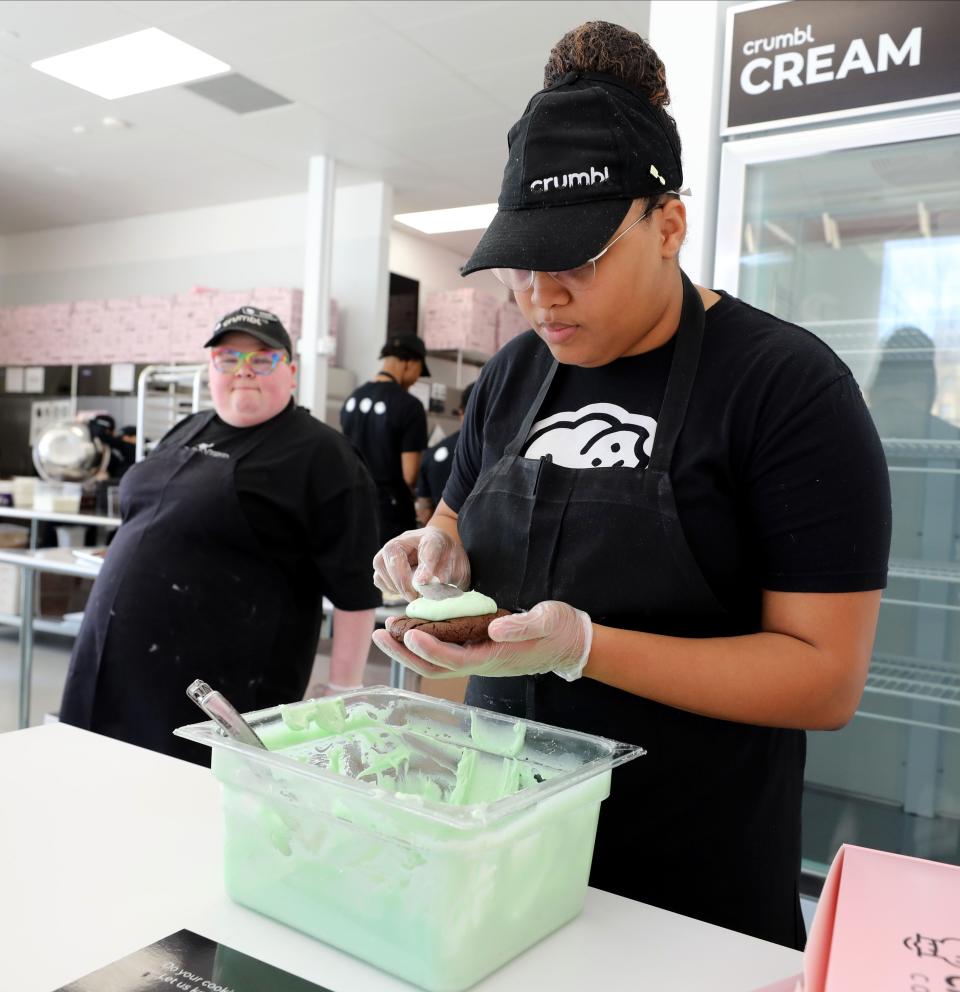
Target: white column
(314, 344)
(688, 37)
(361, 273)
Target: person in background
(389, 428)
(435, 467)
(123, 446)
(234, 529)
(682, 499)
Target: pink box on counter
(461, 319)
(510, 323)
(884, 921)
(122, 303)
(89, 306)
(155, 302)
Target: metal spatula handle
(224, 713)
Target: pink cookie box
(154, 302)
(461, 319)
(884, 922)
(510, 323)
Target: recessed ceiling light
(79, 129)
(474, 218)
(136, 63)
(114, 123)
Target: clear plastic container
(57, 497)
(433, 840)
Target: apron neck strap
(513, 448)
(388, 375)
(199, 423)
(683, 371)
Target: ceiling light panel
(474, 218)
(136, 63)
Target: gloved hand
(551, 637)
(432, 552)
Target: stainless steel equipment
(65, 452)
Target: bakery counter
(106, 848)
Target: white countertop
(61, 561)
(105, 848)
(58, 517)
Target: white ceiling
(418, 93)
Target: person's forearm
(769, 679)
(445, 519)
(351, 645)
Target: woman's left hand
(551, 637)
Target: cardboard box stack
(132, 329)
(510, 323)
(461, 319)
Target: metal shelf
(921, 448)
(914, 678)
(460, 354)
(924, 571)
(46, 625)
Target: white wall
(688, 37)
(236, 246)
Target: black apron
(707, 824)
(185, 592)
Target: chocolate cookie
(457, 630)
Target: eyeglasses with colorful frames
(578, 279)
(229, 360)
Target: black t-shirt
(383, 420)
(435, 468)
(309, 501)
(778, 472)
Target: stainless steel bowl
(66, 452)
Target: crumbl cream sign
(806, 60)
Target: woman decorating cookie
(682, 501)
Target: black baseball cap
(583, 150)
(406, 347)
(259, 324)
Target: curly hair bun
(599, 46)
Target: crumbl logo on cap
(571, 179)
(247, 316)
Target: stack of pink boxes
(132, 329)
(461, 319)
(510, 323)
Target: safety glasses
(229, 360)
(575, 280)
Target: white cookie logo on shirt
(598, 435)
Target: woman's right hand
(420, 555)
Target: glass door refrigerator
(853, 231)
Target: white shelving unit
(165, 395)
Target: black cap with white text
(583, 150)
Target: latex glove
(420, 555)
(552, 637)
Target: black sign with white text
(807, 58)
(191, 963)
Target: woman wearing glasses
(234, 529)
(683, 498)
